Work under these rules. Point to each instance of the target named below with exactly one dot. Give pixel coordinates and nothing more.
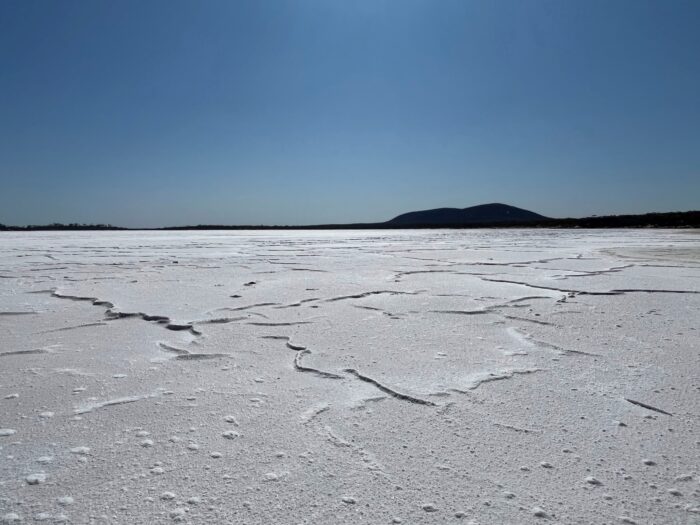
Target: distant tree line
(687, 219)
(60, 226)
(678, 219)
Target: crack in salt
(387, 390)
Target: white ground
(350, 377)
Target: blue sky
(149, 113)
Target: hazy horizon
(148, 114)
(267, 224)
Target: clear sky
(149, 113)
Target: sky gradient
(153, 113)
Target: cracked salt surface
(495, 376)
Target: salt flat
(479, 376)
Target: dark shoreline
(675, 220)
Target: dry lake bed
(350, 377)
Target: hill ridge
(491, 213)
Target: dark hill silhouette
(494, 213)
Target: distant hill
(494, 213)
